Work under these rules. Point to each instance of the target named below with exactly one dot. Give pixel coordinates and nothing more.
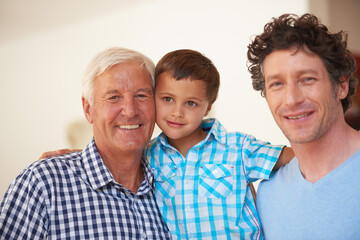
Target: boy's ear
(208, 109)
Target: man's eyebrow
(299, 72)
(111, 91)
(149, 90)
(144, 89)
(273, 76)
(309, 70)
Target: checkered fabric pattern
(206, 194)
(74, 196)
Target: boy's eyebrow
(189, 98)
(198, 99)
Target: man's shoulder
(281, 177)
(41, 176)
(57, 165)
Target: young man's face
(123, 112)
(300, 96)
(180, 106)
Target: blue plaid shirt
(74, 196)
(206, 194)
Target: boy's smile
(174, 124)
(180, 107)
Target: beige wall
(340, 15)
(45, 46)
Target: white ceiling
(19, 18)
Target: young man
(202, 172)
(306, 74)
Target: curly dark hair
(305, 31)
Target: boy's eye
(168, 99)
(191, 103)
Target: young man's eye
(191, 103)
(308, 79)
(275, 84)
(167, 99)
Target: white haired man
(106, 190)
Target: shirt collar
(98, 174)
(212, 126)
(214, 129)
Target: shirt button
(187, 208)
(144, 235)
(215, 171)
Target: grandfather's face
(123, 112)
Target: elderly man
(105, 191)
(306, 75)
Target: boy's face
(180, 106)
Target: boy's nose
(178, 112)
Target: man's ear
(87, 110)
(343, 88)
(208, 109)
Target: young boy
(202, 171)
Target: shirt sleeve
(259, 157)
(22, 210)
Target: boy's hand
(58, 152)
(285, 157)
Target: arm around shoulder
(285, 157)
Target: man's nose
(129, 107)
(294, 95)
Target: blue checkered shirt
(74, 196)
(206, 195)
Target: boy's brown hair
(190, 64)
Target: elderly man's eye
(113, 97)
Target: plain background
(46, 45)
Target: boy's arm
(58, 152)
(285, 156)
